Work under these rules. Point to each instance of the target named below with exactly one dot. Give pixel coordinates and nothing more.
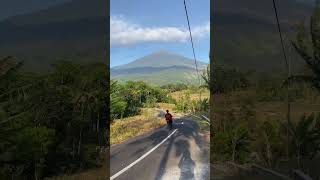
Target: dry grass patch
(124, 129)
(266, 109)
(277, 110)
(166, 106)
(194, 95)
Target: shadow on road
(179, 141)
(186, 164)
(154, 138)
(193, 133)
(178, 147)
(165, 158)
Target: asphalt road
(155, 156)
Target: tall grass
(124, 129)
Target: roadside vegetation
(251, 124)
(53, 123)
(126, 128)
(137, 107)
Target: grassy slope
(264, 109)
(162, 78)
(268, 109)
(149, 119)
(194, 95)
(123, 129)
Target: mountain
(307, 1)
(63, 12)
(74, 30)
(10, 8)
(161, 59)
(246, 35)
(159, 68)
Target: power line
(280, 33)
(191, 39)
(288, 74)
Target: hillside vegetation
(253, 123)
(143, 106)
(159, 68)
(126, 128)
(60, 32)
(53, 123)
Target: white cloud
(123, 33)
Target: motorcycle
(169, 124)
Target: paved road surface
(182, 156)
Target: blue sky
(141, 27)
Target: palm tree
(239, 141)
(206, 77)
(306, 137)
(311, 55)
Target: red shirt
(168, 117)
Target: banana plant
(307, 45)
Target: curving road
(163, 154)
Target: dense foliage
(51, 123)
(175, 87)
(128, 98)
(307, 45)
(245, 130)
(225, 80)
(241, 135)
(187, 105)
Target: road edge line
(142, 157)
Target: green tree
(57, 118)
(267, 143)
(308, 47)
(306, 137)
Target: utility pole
(288, 99)
(211, 76)
(288, 70)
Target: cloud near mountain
(124, 33)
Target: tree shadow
(138, 146)
(186, 164)
(182, 148)
(191, 130)
(188, 130)
(185, 130)
(164, 160)
(155, 137)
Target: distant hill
(10, 8)
(74, 30)
(159, 68)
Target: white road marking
(142, 157)
(196, 116)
